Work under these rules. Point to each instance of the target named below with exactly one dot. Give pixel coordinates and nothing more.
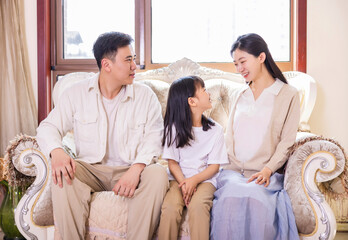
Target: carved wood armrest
(313, 159)
(33, 213)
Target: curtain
(18, 111)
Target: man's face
(123, 65)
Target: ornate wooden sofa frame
(312, 160)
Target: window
(78, 23)
(166, 30)
(67, 28)
(204, 32)
(84, 20)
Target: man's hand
(62, 165)
(129, 181)
(189, 186)
(261, 177)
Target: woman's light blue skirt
(243, 211)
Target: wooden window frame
(227, 67)
(51, 63)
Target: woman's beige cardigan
(281, 133)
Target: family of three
(119, 133)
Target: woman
(250, 202)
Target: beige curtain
(18, 112)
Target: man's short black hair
(107, 44)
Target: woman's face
(247, 64)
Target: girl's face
(202, 98)
(248, 65)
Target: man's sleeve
(59, 121)
(151, 147)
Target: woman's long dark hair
(178, 112)
(255, 45)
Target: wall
(327, 51)
(327, 61)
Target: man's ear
(262, 57)
(105, 64)
(191, 101)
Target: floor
(339, 235)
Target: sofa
(314, 166)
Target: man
(117, 128)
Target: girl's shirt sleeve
(171, 152)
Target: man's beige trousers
(198, 212)
(71, 203)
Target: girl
(250, 202)
(194, 147)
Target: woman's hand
(261, 177)
(189, 186)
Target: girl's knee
(199, 207)
(170, 210)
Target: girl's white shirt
(251, 120)
(207, 148)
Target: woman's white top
(251, 120)
(207, 148)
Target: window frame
(50, 55)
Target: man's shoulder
(79, 87)
(141, 89)
(139, 86)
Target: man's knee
(155, 173)
(79, 170)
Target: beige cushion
(220, 90)
(161, 89)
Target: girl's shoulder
(216, 127)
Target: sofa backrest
(219, 84)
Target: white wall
(31, 35)
(327, 61)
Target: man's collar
(129, 92)
(93, 83)
(94, 86)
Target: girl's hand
(183, 191)
(188, 187)
(261, 177)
